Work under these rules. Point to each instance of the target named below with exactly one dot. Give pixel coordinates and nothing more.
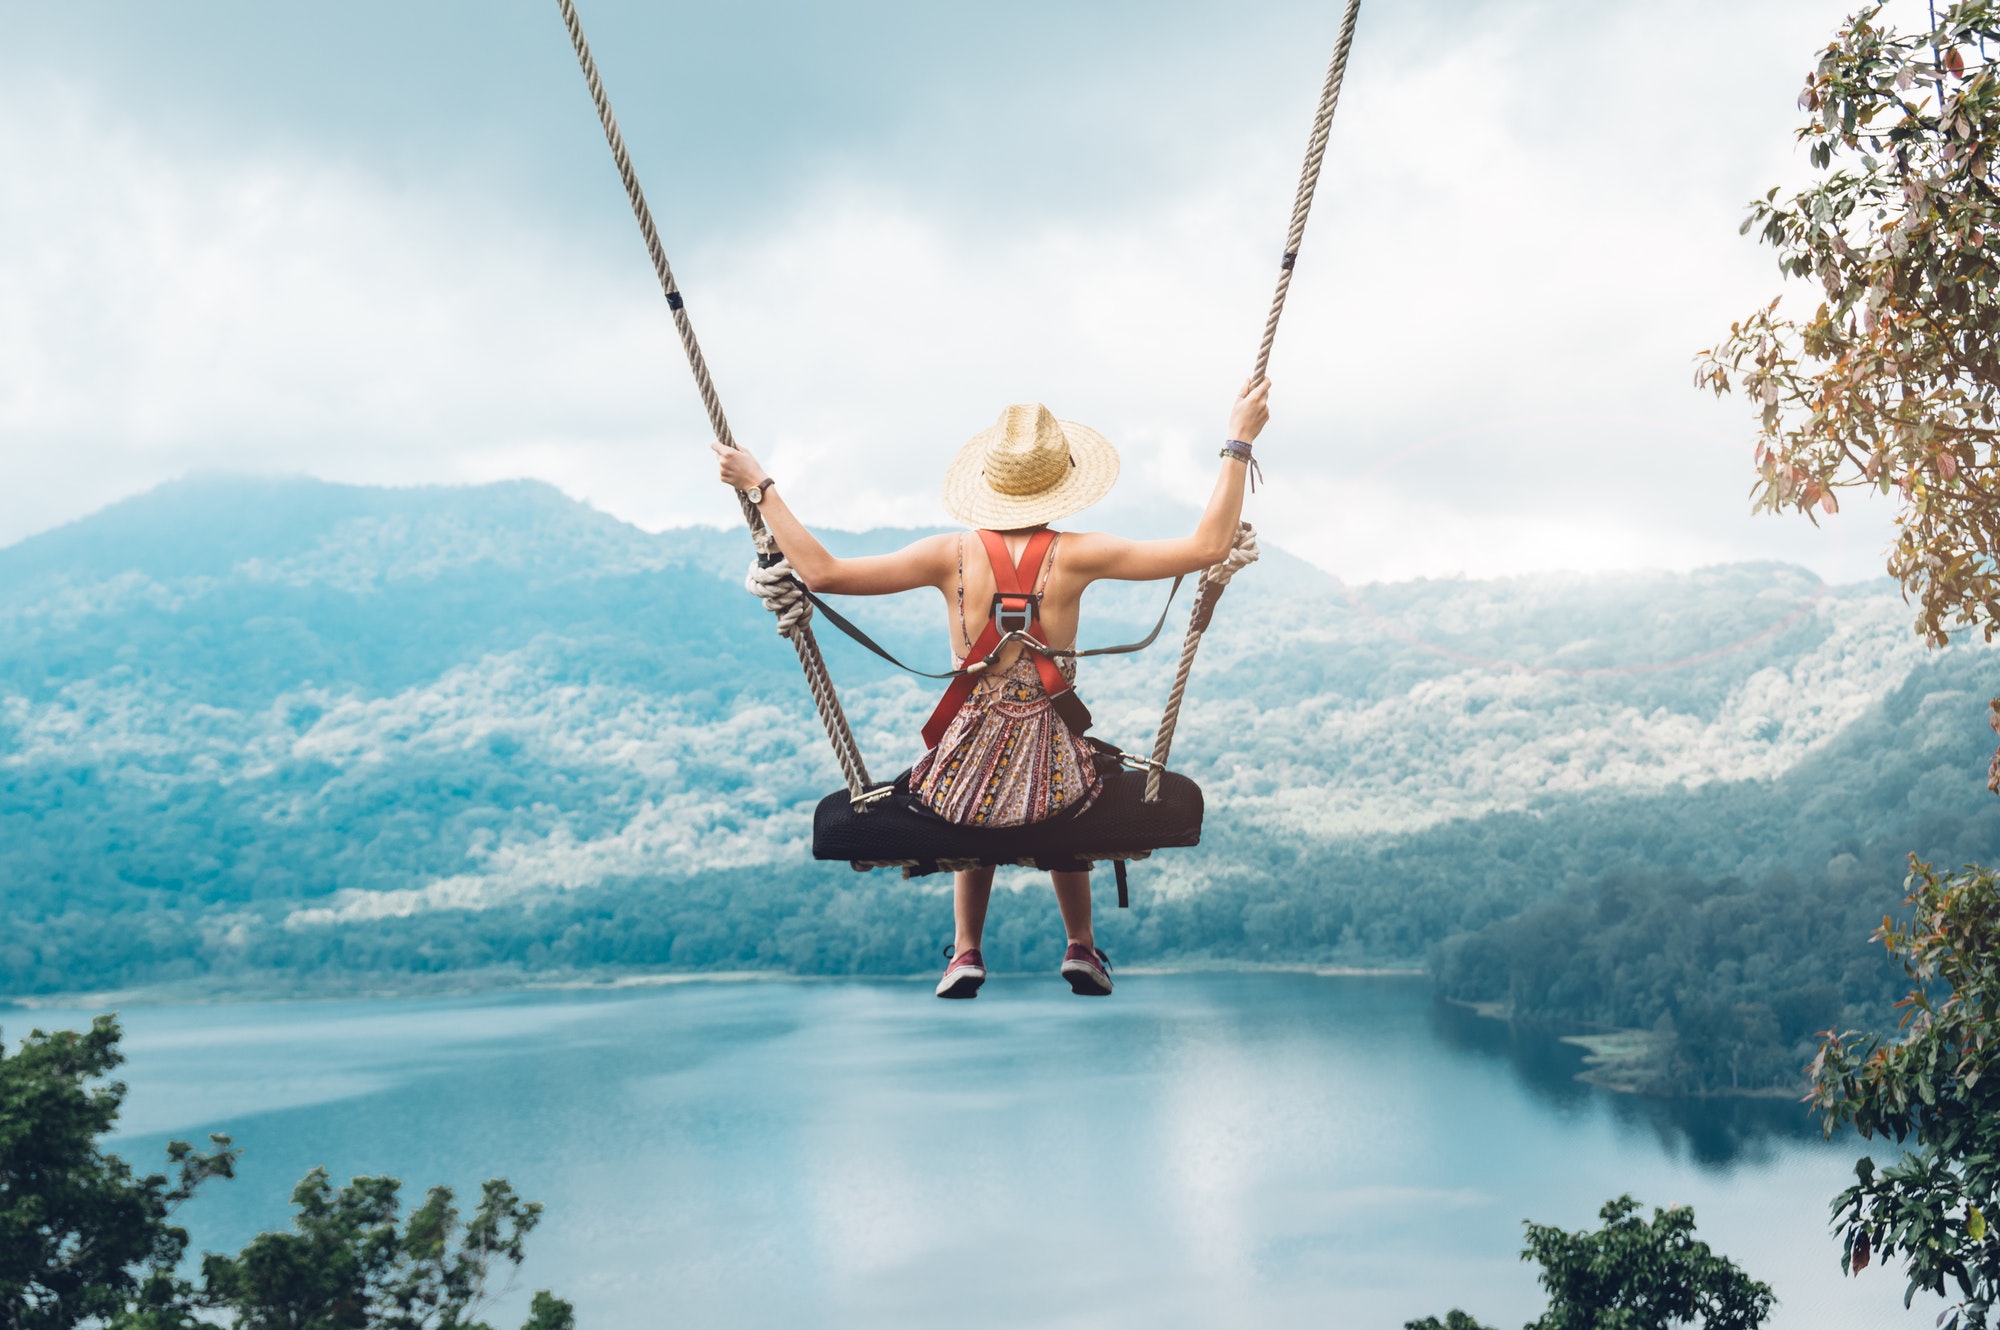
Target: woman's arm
(925, 563)
(1094, 555)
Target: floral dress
(1007, 759)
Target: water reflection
(1203, 1150)
(1716, 1133)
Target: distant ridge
(207, 525)
(280, 727)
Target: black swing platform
(898, 832)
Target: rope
(1244, 551)
(781, 593)
(1329, 96)
(785, 596)
(1241, 555)
(799, 633)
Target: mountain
(263, 731)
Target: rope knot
(781, 593)
(1241, 555)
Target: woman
(1005, 758)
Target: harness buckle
(1014, 613)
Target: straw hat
(1028, 469)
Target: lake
(1200, 1150)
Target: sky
(385, 244)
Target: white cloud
(162, 310)
(1526, 229)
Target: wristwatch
(756, 492)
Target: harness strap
(1019, 596)
(1015, 594)
(862, 639)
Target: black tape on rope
(1289, 260)
(674, 297)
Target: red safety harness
(1017, 613)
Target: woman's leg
(1073, 899)
(971, 889)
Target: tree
(1933, 1083)
(85, 1242)
(82, 1238)
(1453, 1320)
(1893, 382)
(348, 1263)
(1638, 1275)
(1632, 1274)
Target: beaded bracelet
(1240, 450)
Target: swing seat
(899, 832)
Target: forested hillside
(265, 733)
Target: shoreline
(482, 983)
(1615, 1060)
(1619, 1059)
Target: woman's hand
(738, 468)
(1251, 412)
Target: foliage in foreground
(1632, 1274)
(1893, 383)
(1453, 1320)
(348, 1262)
(1636, 1274)
(1933, 1084)
(85, 1241)
(82, 1237)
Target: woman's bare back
(969, 602)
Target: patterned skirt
(1007, 759)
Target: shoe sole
(1086, 980)
(963, 984)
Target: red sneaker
(1088, 971)
(963, 976)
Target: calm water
(1212, 1150)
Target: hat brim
(968, 497)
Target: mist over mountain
(277, 731)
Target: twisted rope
(1329, 97)
(1244, 551)
(852, 768)
(781, 593)
(784, 595)
(1241, 555)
